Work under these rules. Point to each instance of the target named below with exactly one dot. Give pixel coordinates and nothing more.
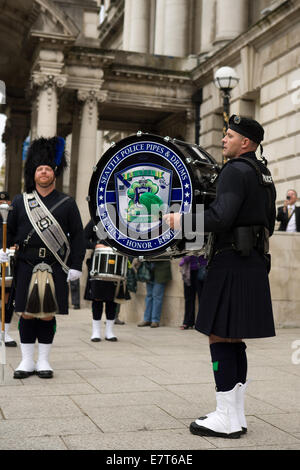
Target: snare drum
(8, 268)
(107, 265)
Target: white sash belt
(47, 227)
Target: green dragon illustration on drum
(147, 194)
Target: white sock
(96, 329)
(109, 329)
(27, 364)
(8, 338)
(42, 362)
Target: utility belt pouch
(263, 240)
(41, 298)
(244, 240)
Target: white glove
(73, 275)
(3, 256)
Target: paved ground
(143, 391)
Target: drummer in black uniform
(99, 292)
(236, 301)
(46, 226)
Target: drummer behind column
(99, 292)
(236, 299)
(38, 304)
(9, 308)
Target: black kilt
(236, 298)
(98, 290)
(23, 277)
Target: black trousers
(190, 298)
(110, 309)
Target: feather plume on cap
(44, 151)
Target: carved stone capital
(47, 80)
(92, 96)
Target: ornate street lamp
(226, 79)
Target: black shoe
(10, 344)
(76, 307)
(96, 340)
(185, 327)
(111, 339)
(203, 431)
(22, 374)
(119, 322)
(44, 374)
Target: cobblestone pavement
(143, 391)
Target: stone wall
(284, 281)
(285, 278)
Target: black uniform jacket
(68, 217)
(19, 227)
(236, 299)
(240, 200)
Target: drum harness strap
(244, 238)
(47, 227)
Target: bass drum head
(136, 182)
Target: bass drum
(141, 178)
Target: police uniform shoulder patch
(267, 178)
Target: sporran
(41, 300)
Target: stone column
(127, 25)
(159, 27)
(34, 114)
(47, 102)
(87, 153)
(136, 25)
(196, 40)
(17, 129)
(207, 25)
(231, 20)
(176, 36)
(75, 149)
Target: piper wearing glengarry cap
(236, 301)
(46, 226)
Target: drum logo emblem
(135, 186)
(143, 193)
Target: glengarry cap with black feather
(44, 151)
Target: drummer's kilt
(98, 290)
(236, 298)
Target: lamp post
(226, 79)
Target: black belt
(226, 247)
(34, 253)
